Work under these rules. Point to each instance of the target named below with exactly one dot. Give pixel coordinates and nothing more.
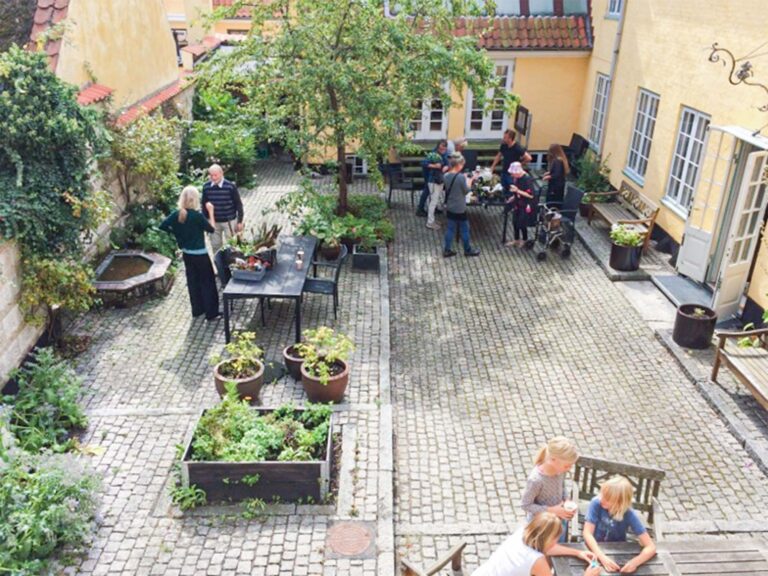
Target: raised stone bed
(127, 277)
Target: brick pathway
(493, 355)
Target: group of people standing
(219, 214)
(447, 184)
(548, 511)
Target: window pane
(508, 7)
(575, 6)
(541, 6)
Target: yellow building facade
(678, 131)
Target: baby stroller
(556, 225)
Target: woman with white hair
(189, 226)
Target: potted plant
(365, 254)
(328, 230)
(626, 248)
(325, 373)
(694, 326)
(592, 180)
(293, 360)
(243, 367)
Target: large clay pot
(694, 330)
(625, 258)
(332, 392)
(246, 387)
(292, 361)
(330, 252)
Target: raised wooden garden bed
(306, 481)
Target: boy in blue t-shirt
(608, 517)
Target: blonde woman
(609, 516)
(189, 226)
(525, 552)
(545, 489)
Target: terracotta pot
(250, 386)
(292, 362)
(332, 392)
(692, 330)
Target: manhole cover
(349, 538)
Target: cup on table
(299, 263)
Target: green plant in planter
(623, 236)
(321, 349)
(592, 176)
(699, 313)
(244, 355)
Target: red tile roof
(151, 102)
(93, 93)
(527, 32)
(243, 13)
(48, 13)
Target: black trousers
(520, 222)
(201, 284)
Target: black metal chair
(325, 285)
(575, 150)
(399, 181)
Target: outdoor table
(701, 557)
(283, 280)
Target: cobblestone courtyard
(486, 357)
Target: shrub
(623, 236)
(321, 349)
(45, 410)
(232, 146)
(592, 173)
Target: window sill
(674, 208)
(609, 16)
(637, 179)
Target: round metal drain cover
(349, 538)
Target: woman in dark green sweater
(189, 225)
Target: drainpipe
(612, 73)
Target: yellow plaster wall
(758, 288)
(126, 43)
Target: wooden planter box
(288, 481)
(365, 260)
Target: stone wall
(16, 337)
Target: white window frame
(359, 165)
(425, 131)
(642, 135)
(687, 158)
(599, 109)
(487, 130)
(614, 8)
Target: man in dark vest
(228, 207)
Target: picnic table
(745, 557)
(282, 281)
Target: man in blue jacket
(433, 180)
(228, 207)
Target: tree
(341, 74)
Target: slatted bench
(749, 365)
(630, 208)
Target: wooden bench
(453, 556)
(631, 208)
(589, 473)
(750, 364)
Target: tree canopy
(342, 75)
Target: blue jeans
(450, 232)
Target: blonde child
(525, 552)
(609, 516)
(545, 490)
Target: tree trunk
(341, 158)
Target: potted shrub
(325, 373)
(239, 452)
(626, 248)
(243, 367)
(592, 180)
(694, 326)
(293, 360)
(327, 229)
(365, 254)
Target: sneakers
(448, 253)
(421, 213)
(433, 226)
(473, 252)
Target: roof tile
(48, 13)
(150, 103)
(93, 93)
(526, 32)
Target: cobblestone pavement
(493, 355)
(147, 378)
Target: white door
(430, 122)
(743, 236)
(693, 257)
(491, 122)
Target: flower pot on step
(331, 392)
(694, 326)
(625, 258)
(249, 387)
(292, 361)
